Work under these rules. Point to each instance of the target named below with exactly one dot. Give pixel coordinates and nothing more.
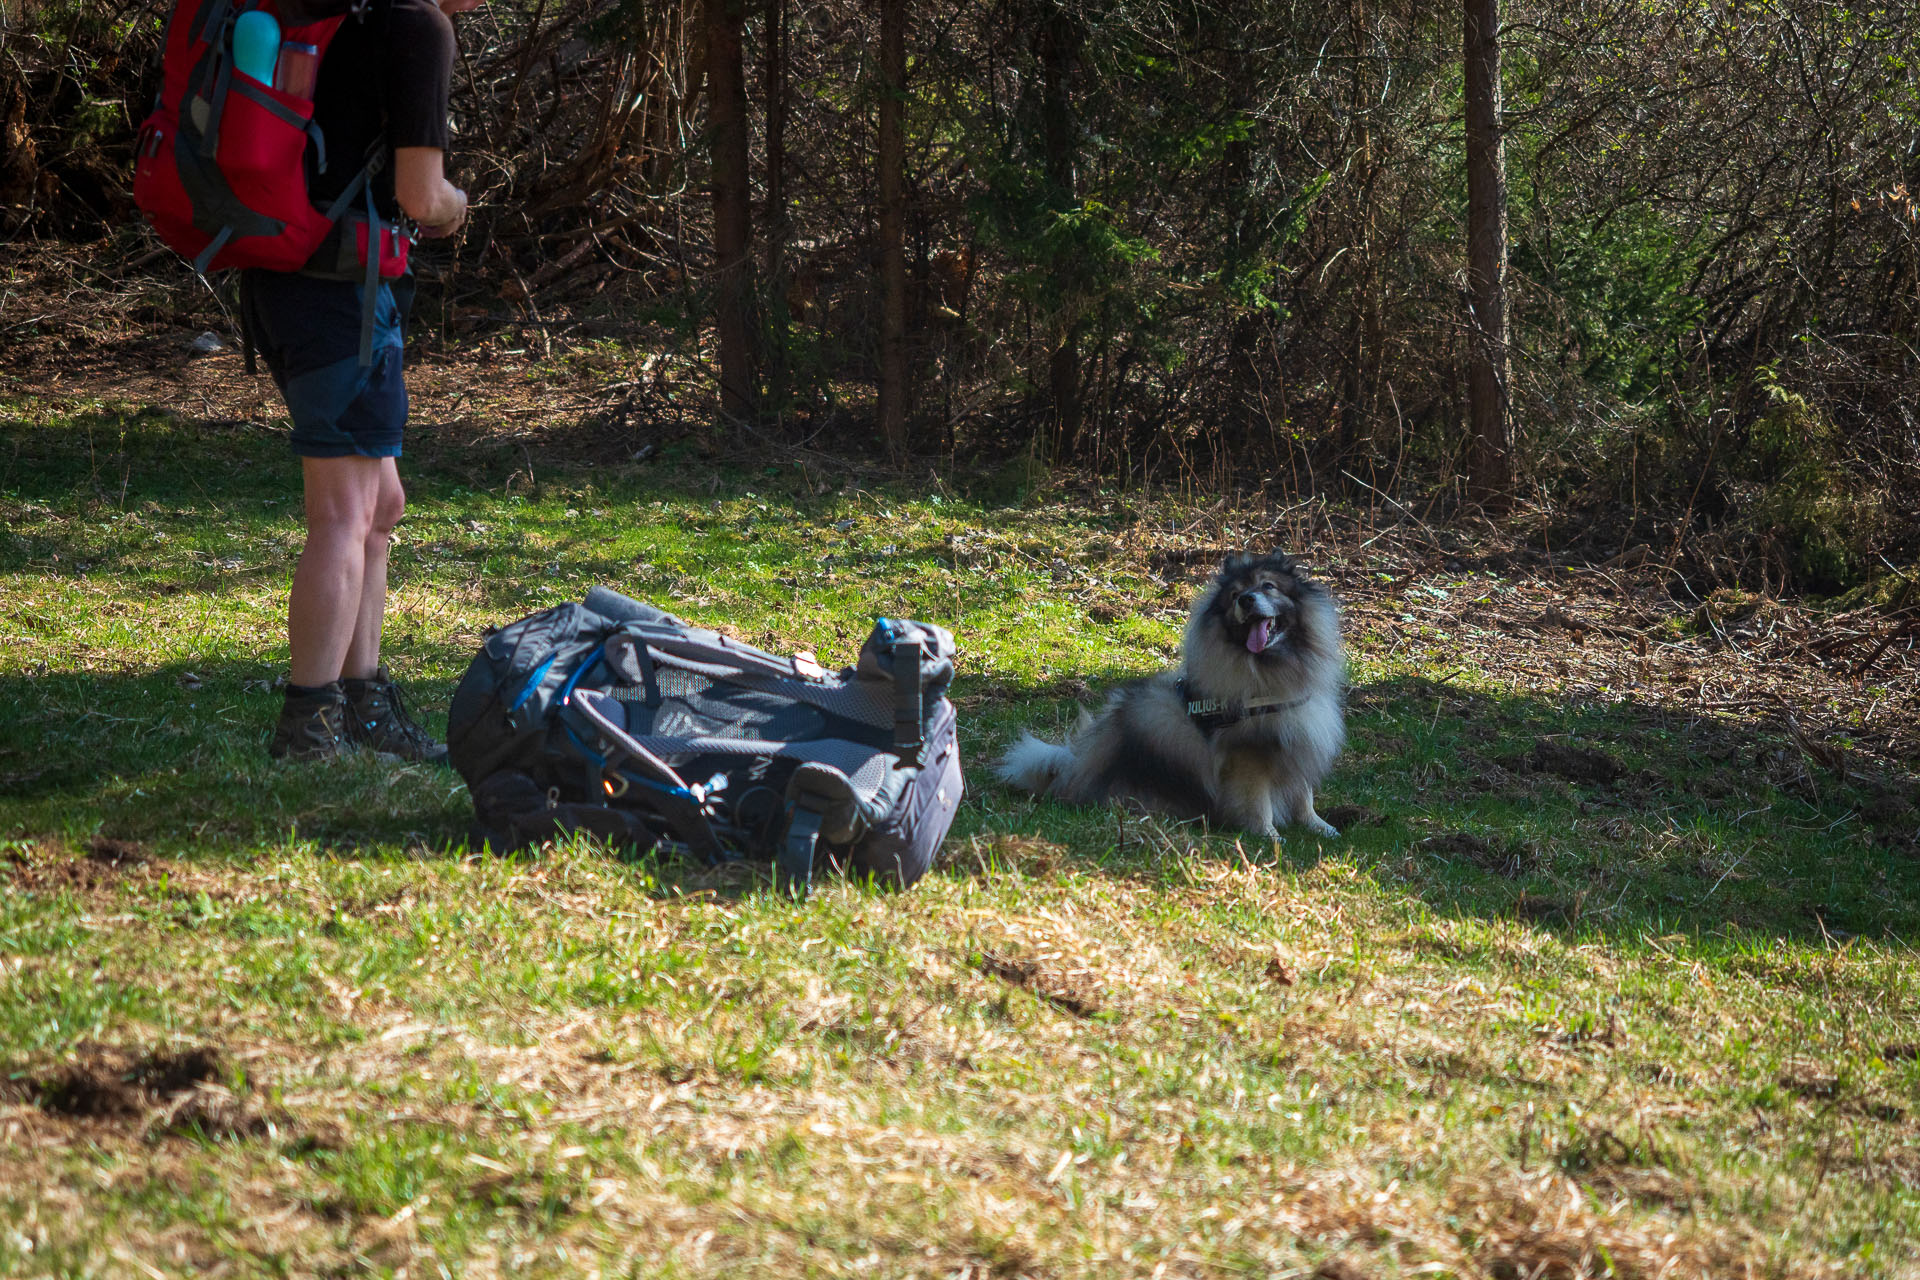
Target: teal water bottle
(256, 44)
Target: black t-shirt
(387, 72)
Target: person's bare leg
(363, 655)
(323, 610)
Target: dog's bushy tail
(1033, 765)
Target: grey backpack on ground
(614, 718)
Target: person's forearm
(421, 186)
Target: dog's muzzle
(1265, 630)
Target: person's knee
(344, 500)
(388, 507)
(339, 518)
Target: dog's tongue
(1257, 638)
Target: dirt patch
(983, 855)
(1348, 816)
(1817, 1085)
(1653, 1187)
(1338, 1269)
(118, 854)
(986, 693)
(52, 866)
(1889, 808)
(1564, 760)
(160, 1092)
(1056, 989)
(1279, 972)
(108, 1082)
(1183, 561)
(1893, 818)
(1537, 910)
(1509, 859)
(1811, 1083)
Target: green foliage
(1823, 519)
(1072, 261)
(97, 120)
(86, 22)
(1624, 284)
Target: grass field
(1610, 973)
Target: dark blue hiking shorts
(308, 331)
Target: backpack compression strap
(909, 716)
(370, 287)
(362, 186)
(793, 862)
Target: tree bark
(1361, 410)
(894, 373)
(1491, 443)
(732, 206)
(1059, 43)
(779, 227)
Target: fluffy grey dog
(1240, 734)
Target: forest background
(1216, 244)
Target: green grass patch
(1587, 987)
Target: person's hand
(451, 7)
(441, 230)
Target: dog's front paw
(1320, 826)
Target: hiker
(381, 89)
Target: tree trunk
(779, 228)
(732, 206)
(1490, 445)
(1362, 407)
(894, 389)
(1059, 42)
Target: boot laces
(389, 708)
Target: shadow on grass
(1580, 816)
(177, 757)
(130, 456)
(138, 456)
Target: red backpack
(220, 168)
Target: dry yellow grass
(1212, 1067)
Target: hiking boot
(377, 717)
(312, 726)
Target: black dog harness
(1210, 715)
